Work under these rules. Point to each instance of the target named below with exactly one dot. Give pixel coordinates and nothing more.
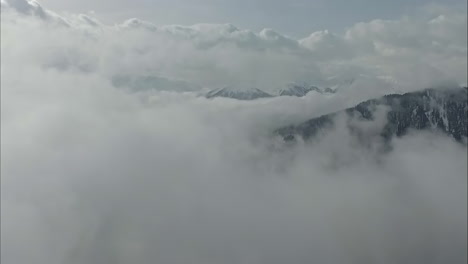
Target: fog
(95, 174)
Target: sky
(112, 154)
(296, 18)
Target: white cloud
(91, 174)
(32, 8)
(137, 23)
(327, 46)
(436, 44)
(432, 44)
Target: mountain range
(247, 93)
(239, 93)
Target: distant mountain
(239, 93)
(432, 109)
(299, 90)
(293, 89)
(329, 90)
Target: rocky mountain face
(432, 109)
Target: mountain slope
(431, 109)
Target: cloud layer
(93, 174)
(411, 53)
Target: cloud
(137, 23)
(32, 8)
(93, 174)
(327, 46)
(408, 54)
(437, 44)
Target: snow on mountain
(299, 90)
(239, 93)
(293, 89)
(248, 93)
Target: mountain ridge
(251, 93)
(444, 110)
(240, 93)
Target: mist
(96, 174)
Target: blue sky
(297, 18)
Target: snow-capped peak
(299, 90)
(294, 89)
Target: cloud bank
(416, 52)
(94, 174)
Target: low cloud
(93, 174)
